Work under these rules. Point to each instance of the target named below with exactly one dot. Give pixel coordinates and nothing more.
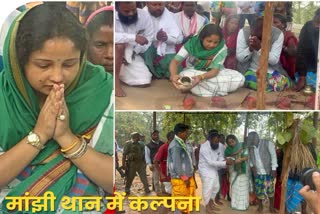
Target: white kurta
(244, 54)
(136, 73)
(210, 161)
(166, 23)
(189, 26)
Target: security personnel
(133, 161)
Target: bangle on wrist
(70, 147)
(80, 151)
(202, 77)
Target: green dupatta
(195, 48)
(87, 98)
(236, 151)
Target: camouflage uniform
(135, 162)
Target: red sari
(231, 43)
(289, 62)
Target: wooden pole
(154, 120)
(284, 177)
(264, 57)
(285, 169)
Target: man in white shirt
(245, 9)
(210, 161)
(188, 20)
(263, 162)
(248, 54)
(166, 35)
(133, 36)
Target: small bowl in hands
(185, 83)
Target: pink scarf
(193, 25)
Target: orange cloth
(179, 188)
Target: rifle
(121, 172)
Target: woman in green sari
(205, 54)
(56, 110)
(239, 180)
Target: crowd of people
(211, 43)
(241, 172)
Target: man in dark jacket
(150, 151)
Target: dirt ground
(161, 95)
(137, 190)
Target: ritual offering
(188, 103)
(185, 83)
(218, 102)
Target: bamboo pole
(264, 58)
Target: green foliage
(289, 119)
(283, 137)
(318, 160)
(307, 132)
(202, 122)
(128, 122)
(269, 125)
(303, 11)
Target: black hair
(155, 131)
(281, 18)
(257, 23)
(170, 135)
(212, 135)
(44, 22)
(210, 29)
(252, 136)
(213, 130)
(101, 19)
(221, 135)
(182, 3)
(117, 3)
(180, 127)
(231, 136)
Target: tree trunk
(246, 127)
(264, 57)
(154, 119)
(284, 177)
(285, 171)
(299, 13)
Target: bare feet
(301, 84)
(119, 91)
(259, 210)
(273, 210)
(218, 202)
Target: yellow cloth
(179, 188)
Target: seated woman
(206, 53)
(289, 48)
(239, 176)
(230, 34)
(56, 135)
(100, 45)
